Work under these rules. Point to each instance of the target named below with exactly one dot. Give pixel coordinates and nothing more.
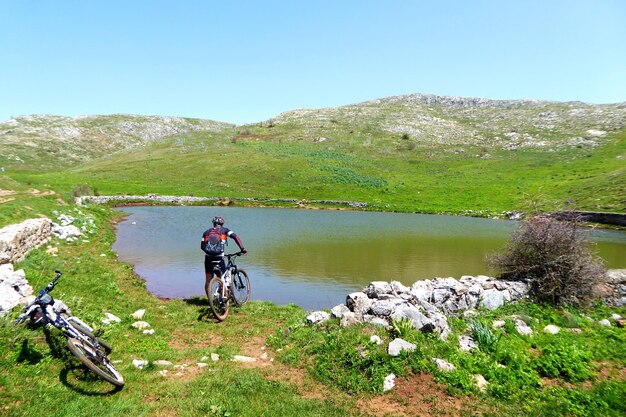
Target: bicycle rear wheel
(240, 288)
(99, 364)
(219, 304)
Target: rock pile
(425, 303)
(616, 285)
(13, 288)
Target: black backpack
(214, 245)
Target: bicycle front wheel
(219, 304)
(82, 329)
(97, 363)
(240, 288)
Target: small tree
(554, 258)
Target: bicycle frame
(226, 277)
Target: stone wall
(169, 199)
(17, 240)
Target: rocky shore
(428, 303)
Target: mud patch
(414, 396)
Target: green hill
(415, 153)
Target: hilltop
(41, 139)
(430, 120)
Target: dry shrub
(554, 258)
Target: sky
(247, 61)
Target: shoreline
(604, 220)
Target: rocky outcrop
(17, 240)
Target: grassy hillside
(410, 153)
(53, 142)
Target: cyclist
(213, 241)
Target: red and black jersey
(214, 240)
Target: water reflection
(314, 258)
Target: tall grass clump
(554, 258)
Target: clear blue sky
(246, 61)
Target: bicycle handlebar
(52, 283)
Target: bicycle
(82, 340)
(232, 284)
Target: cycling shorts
(210, 262)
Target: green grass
(524, 373)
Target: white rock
(498, 324)
(317, 317)
(240, 358)
(202, 365)
(215, 357)
(616, 316)
(481, 382)
(470, 313)
(389, 383)
(140, 325)
(163, 363)
(605, 323)
(492, 299)
(151, 331)
(399, 288)
(138, 315)
(551, 328)
(522, 328)
(139, 363)
(466, 343)
(376, 288)
(105, 321)
(264, 356)
(112, 318)
(376, 340)
(443, 366)
(398, 346)
(163, 372)
(339, 310)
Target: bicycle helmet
(218, 220)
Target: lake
(314, 258)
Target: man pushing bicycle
(213, 242)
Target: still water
(313, 258)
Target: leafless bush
(554, 258)
(81, 190)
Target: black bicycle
(82, 341)
(233, 284)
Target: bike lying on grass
(233, 284)
(81, 339)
